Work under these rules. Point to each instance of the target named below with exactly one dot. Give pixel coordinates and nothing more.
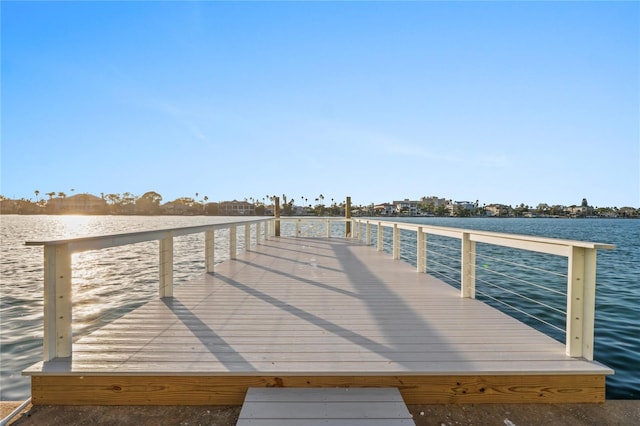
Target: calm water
(110, 282)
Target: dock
(315, 313)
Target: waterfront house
(236, 208)
(407, 207)
(385, 209)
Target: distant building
(176, 207)
(385, 209)
(406, 207)
(579, 211)
(466, 205)
(435, 201)
(77, 204)
(236, 208)
(498, 210)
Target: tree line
(151, 203)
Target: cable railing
(544, 282)
(310, 226)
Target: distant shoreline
(2, 213)
(150, 204)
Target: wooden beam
(231, 389)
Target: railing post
(277, 216)
(166, 266)
(468, 267)
(232, 241)
(421, 262)
(247, 237)
(209, 250)
(347, 213)
(258, 232)
(396, 242)
(368, 233)
(581, 292)
(380, 234)
(425, 244)
(328, 228)
(297, 228)
(57, 302)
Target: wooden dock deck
(307, 312)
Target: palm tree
(37, 193)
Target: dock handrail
(58, 316)
(581, 269)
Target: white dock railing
(581, 267)
(581, 263)
(580, 255)
(58, 315)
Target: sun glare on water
(73, 226)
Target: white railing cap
(112, 240)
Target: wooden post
(396, 242)
(581, 292)
(233, 241)
(258, 232)
(247, 237)
(166, 266)
(421, 262)
(297, 228)
(380, 234)
(425, 244)
(347, 213)
(57, 302)
(209, 250)
(468, 266)
(368, 233)
(277, 216)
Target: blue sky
(500, 102)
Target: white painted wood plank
(328, 358)
(134, 347)
(244, 368)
